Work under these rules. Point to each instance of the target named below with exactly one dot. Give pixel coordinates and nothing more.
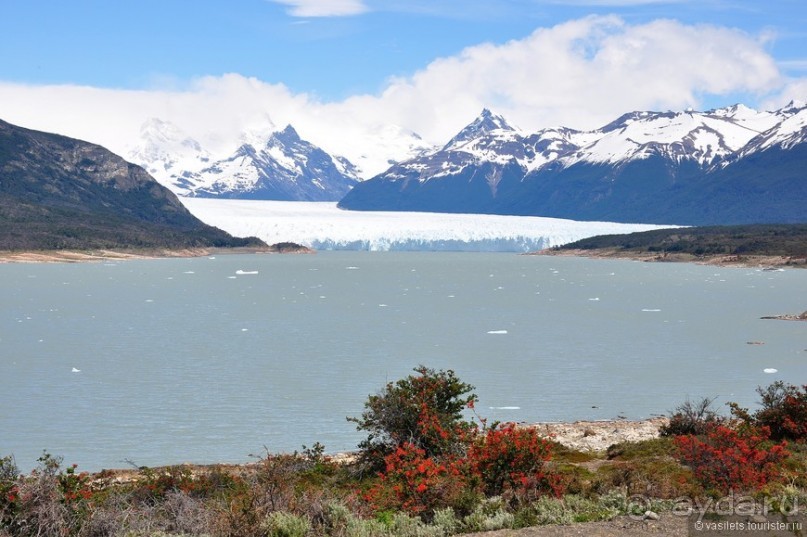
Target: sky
(351, 75)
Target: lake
(202, 360)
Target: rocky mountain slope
(724, 166)
(268, 164)
(58, 193)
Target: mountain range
(61, 193)
(724, 166)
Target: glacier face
(322, 226)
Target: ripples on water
(209, 360)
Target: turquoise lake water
(213, 359)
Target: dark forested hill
(61, 193)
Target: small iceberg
(497, 332)
(595, 299)
(75, 370)
(505, 408)
(243, 272)
(651, 310)
(770, 370)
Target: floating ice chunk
(75, 370)
(382, 306)
(651, 310)
(770, 370)
(212, 257)
(189, 272)
(243, 272)
(505, 408)
(497, 332)
(595, 299)
(245, 329)
(149, 300)
(230, 277)
(351, 268)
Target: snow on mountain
(323, 226)
(266, 164)
(285, 167)
(643, 167)
(788, 132)
(488, 139)
(381, 146)
(168, 153)
(703, 137)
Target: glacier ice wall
(322, 226)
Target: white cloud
(323, 8)
(580, 74)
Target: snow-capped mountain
(486, 158)
(166, 152)
(383, 145)
(789, 131)
(658, 167)
(284, 168)
(266, 165)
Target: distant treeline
(759, 239)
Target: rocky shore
(598, 435)
(746, 261)
(88, 256)
(802, 317)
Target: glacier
(323, 226)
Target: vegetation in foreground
(425, 470)
(785, 240)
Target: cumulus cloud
(323, 8)
(580, 74)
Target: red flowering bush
(433, 459)
(418, 484)
(726, 459)
(511, 461)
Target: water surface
(211, 360)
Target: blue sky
(98, 68)
(158, 43)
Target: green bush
(692, 418)
(281, 524)
(423, 410)
(783, 410)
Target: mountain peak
(794, 106)
(486, 123)
(289, 134)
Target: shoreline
(589, 436)
(772, 262)
(100, 255)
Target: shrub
(418, 484)
(692, 418)
(511, 460)
(423, 410)
(52, 501)
(784, 411)
(281, 524)
(726, 459)
(9, 490)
